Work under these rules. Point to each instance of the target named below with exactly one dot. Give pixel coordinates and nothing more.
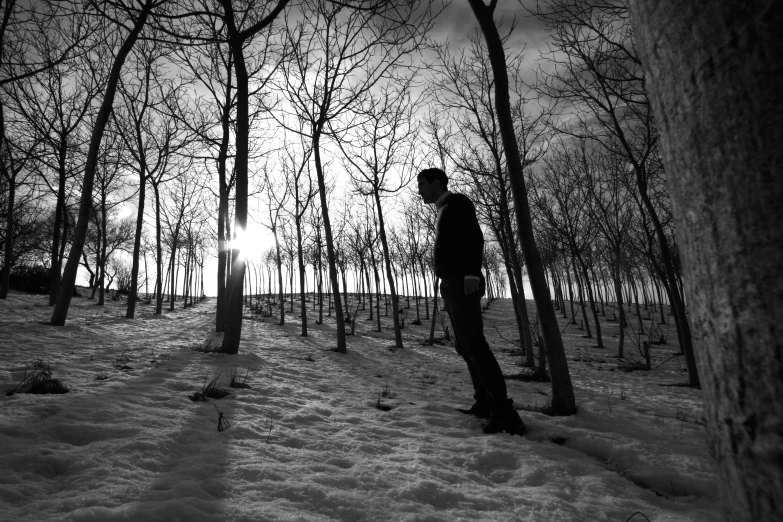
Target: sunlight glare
(243, 243)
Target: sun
(247, 245)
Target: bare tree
(563, 400)
(339, 51)
(376, 149)
(132, 20)
(597, 77)
(242, 23)
(42, 36)
(473, 143)
(276, 196)
(109, 182)
(15, 173)
(295, 162)
(152, 136)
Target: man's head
(432, 184)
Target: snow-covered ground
(307, 442)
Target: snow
(134, 447)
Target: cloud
(457, 22)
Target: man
(459, 246)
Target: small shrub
(382, 407)
(39, 382)
(209, 391)
(234, 383)
(207, 347)
(31, 279)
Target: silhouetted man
(459, 246)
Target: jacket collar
(442, 198)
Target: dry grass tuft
(209, 391)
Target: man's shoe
(505, 421)
(479, 409)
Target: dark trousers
(465, 313)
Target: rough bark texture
(714, 72)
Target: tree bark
(234, 307)
(9, 231)
(54, 270)
(220, 307)
(713, 72)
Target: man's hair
(435, 174)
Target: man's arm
(475, 250)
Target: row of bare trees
(189, 91)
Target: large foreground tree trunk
(563, 400)
(714, 75)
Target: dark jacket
(459, 243)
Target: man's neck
(439, 201)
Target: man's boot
(504, 418)
(479, 409)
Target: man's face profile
(428, 190)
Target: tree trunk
(104, 240)
(713, 72)
(426, 292)
(369, 290)
(570, 295)
(280, 290)
(621, 311)
(591, 298)
(220, 306)
(338, 303)
(434, 309)
(320, 286)
(97, 265)
(563, 400)
(54, 275)
(300, 259)
(389, 275)
(579, 287)
(9, 230)
(234, 307)
(132, 292)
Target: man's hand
(471, 285)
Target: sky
(454, 25)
